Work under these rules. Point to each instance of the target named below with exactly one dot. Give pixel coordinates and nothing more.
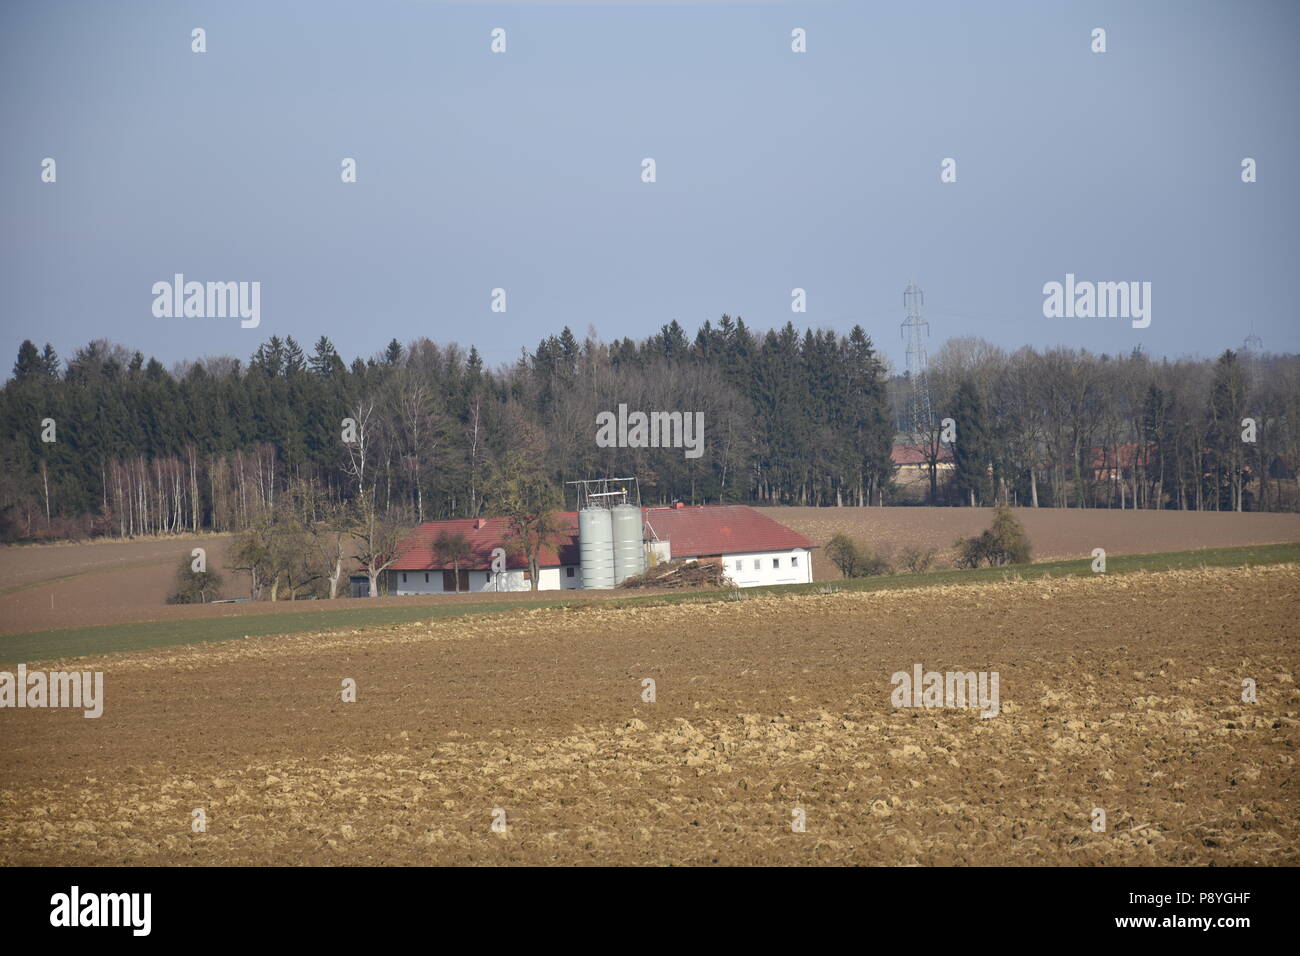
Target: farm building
(598, 547)
(913, 475)
(752, 548)
(419, 570)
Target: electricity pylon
(915, 331)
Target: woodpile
(689, 574)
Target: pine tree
(868, 419)
(294, 362)
(970, 451)
(269, 357)
(1223, 432)
(325, 361)
(28, 365)
(50, 362)
(393, 354)
(569, 351)
(672, 341)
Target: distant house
(1117, 463)
(913, 474)
(751, 547)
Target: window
(568, 572)
(740, 565)
(776, 562)
(794, 560)
(403, 577)
(757, 564)
(426, 577)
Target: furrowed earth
(1117, 692)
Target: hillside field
(1118, 692)
(1056, 534)
(48, 587)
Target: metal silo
(629, 549)
(596, 547)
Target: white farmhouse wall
(550, 579)
(759, 568)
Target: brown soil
(128, 582)
(117, 582)
(1056, 534)
(1122, 693)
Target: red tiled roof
(1128, 453)
(416, 550)
(693, 531)
(915, 455)
(719, 529)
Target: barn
(752, 548)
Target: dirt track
(1121, 693)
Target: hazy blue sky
(522, 170)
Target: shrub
(916, 560)
(843, 554)
(871, 563)
(1004, 542)
(1010, 542)
(972, 552)
(194, 587)
(854, 560)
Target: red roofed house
(418, 570)
(1117, 463)
(752, 548)
(913, 475)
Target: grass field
(74, 642)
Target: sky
(522, 170)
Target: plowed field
(1121, 693)
(1056, 534)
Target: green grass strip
(113, 638)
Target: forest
(108, 442)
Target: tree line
(111, 443)
(1067, 428)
